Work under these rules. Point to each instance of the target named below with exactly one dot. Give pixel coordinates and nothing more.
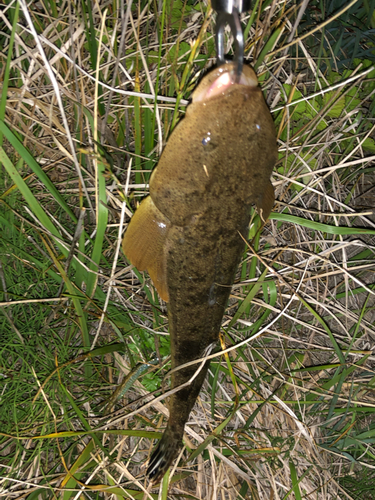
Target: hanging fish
(188, 234)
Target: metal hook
(233, 19)
(228, 12)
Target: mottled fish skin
(189, 232)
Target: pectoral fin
(144, 243)
(266, 202)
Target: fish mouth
(221, 79)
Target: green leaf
(318, 226)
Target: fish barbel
(189, 233)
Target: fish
(190, 232)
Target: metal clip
(228, 13)
(234, 23)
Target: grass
(287, 409)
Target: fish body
(189, 233)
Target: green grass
(288, 407)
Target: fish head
(225, 144)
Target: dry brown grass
(300, 357)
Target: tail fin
(164, 454)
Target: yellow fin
(144, 242)
(266, 203)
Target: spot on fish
(206, 139)
(212, 295)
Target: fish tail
(165, 452)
